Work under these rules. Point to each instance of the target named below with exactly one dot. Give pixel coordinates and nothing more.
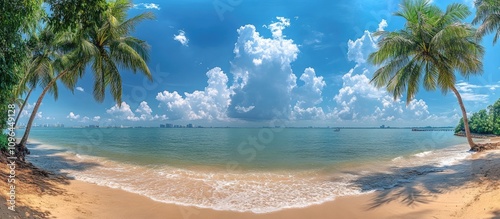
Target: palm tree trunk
(21, 147)
(466, 121)
(22, 106)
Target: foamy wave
(397, 158)
(258, 192)
(242, 192)
(423, 154)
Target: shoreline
(424, 196)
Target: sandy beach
(470, 189)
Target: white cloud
(85, 119)
(472, 92)
(146, 6)
(475, 97)
(27, 109)
(278, 27)
(80, 89)
(209, 104)
(146, 112)
(382, 25)
(73, 116)
(39, 115)
(122, 112)
(181, 37)
(262, 73)
(359, 100)
(309, 96)
(357, 49)
(96, 118)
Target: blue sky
(244, 63)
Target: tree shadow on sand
(44, 179)
(411, 186)
(496, 214)
(52, 161)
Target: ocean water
(244, 169)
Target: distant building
(168, 125)
(162, 126)
(189, 125)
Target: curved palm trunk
(466, 121)
(22, 106)
(21, 147)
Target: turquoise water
(272, 149)
(244, 169)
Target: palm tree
(488, 14)
(106, 48)
(39, 69)
(432, 46)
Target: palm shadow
(43, 179)
(411, 186)
(50, 160)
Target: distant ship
(336, 129)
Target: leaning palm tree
(433, 46)
(106, 48)
(488, 14)
(39, 69)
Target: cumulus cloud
(27, 109)
(308, 96)
(146, 6)
(96, 118)
(80, 89)
(145, 112)
(263, 77)
(209, 104)
(85, 119)
(382, 25)
(264, 87)
(181, 38)
(73, 116)
(359, 100)
(122, 112)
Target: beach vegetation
(16, 19)
(4, 142)
(485, 121)
(104, 45)
(40, 68)
(432, 48)
(488, 16)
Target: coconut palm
(433, 46)
(106, 48)
(39, 69)
(488, 14)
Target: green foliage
(460, 127)
(76, 14)
(16, 18)
(108, 49)
(487, 13)
(484, 121)
(4, 142)
(432, 46)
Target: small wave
(397, 159)
(423, 154)
(257, 192)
